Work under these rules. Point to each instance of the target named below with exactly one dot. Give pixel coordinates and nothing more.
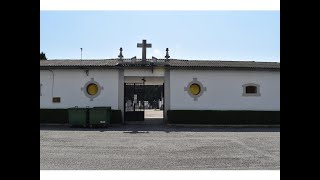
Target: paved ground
(153, 113)
(159, 147)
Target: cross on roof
(144, 47)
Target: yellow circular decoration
(92, 89)
(195, 89)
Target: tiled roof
(173, 63)
(68, 63)
(224, 64)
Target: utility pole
(81, 53)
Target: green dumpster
(77, 116)
(99, 116)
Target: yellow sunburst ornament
(195, 89)
(92, 89)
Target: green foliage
(43, 56)
(145, 92)
(153, 93)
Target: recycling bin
(99, 116)
(77, 116)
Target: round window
(195, 89)
(92, 89)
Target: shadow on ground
(146, 128)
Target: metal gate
(134, 103)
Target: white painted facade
(156, 72)
(67, 84)
(152, 77)
(224, 90)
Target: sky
(190, 35)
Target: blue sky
(196, 35)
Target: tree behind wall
(43, 56)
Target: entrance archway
(143, 100)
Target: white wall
(68, 83)
(145, 72)
(224, 90)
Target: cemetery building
(192, 91)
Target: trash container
(77, 116)
(99, 116)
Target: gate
(134, 101)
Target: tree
(43, 56)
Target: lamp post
(81, 53)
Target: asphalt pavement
(159, 147)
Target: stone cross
(144, 47)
